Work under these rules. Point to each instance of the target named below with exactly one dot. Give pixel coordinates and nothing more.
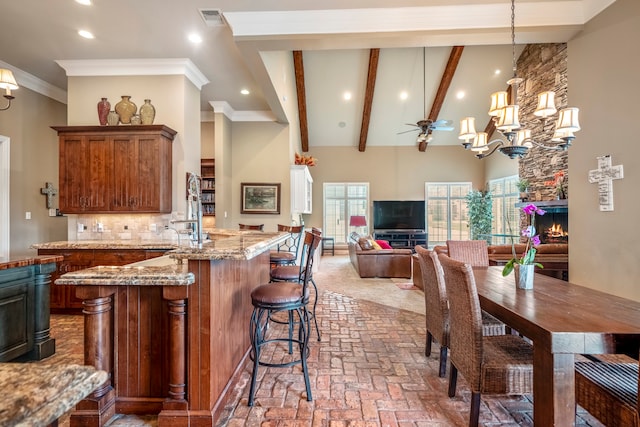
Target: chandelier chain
(513, 37)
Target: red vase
(103, 111)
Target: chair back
(311, 242)
(465, 336)
(292, 244)
(259, 227)
(435, 295)
(472, 252)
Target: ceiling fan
(426, 126)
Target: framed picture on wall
(259, 198)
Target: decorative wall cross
(50, 192)
(604, 176)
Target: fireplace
(553, 226)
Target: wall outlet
(52, 212)
(99, 227)
(80, 228)
(27, 215)
(153, 227)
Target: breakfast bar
(171, 331)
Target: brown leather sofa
(380, 262)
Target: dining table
(563, 320)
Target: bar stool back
(287, 251)
(289, 297)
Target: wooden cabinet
(115, 168)
(62, 297)
(208, 187)
(301, 189)
(402, 239)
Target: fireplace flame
(556, 231)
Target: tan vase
(147, 112)
(126, 109)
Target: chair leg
(315, 303)
(427, 347)
(453, 379)
(443, 361)
(256, 335)
(474, 416)
(303, 335)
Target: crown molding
(241, 116)
(134, 67)
(29, 81)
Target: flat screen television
(398, 215)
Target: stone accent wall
(544, 67)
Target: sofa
(371, 262)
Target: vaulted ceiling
(407, 47)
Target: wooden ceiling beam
(374, 55)
(298, 67)
(445, 82)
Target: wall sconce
(8, 83)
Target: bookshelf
(208, 187)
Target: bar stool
(287, 251)
(293, 299)
(259, 227)
(296, 273)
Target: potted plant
(523, 187)
(480, 204)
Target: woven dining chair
(608, 390)
(472, 252)
(499, 364)
(437, 307)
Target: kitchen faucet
(194, 207)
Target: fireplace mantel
(562, 203)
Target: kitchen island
(24, 307)
(171, 331)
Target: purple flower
(535, 240)
(527, 232)
(531, 208)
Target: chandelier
(507, 123)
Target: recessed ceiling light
(195, 38)
(347, 96)
(84, 2)
(404, 95)
(461, 94)
(245, 91)
(86, 34)
(497, 72)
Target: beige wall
(33, 162)
(603, 71)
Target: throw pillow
(375, 245)
(365, 244)
(384, 244)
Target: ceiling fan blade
(407, 131)
(442, 122)
(447, 128)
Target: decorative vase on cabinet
(147, 112)
(113, 118)
(126, 109)
(104, 107)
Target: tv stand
(402, 238)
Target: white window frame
(449, 185)
(506, 200)
(341, 237)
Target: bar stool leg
(303, 336)
(256, 334)
(315, 303)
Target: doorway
(4, 198)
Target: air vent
(212, 17)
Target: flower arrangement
(558, 182)
(301, 159)
(533, 240)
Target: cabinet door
(142, 182)
(85, 173)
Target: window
(506, 217)
(447, 217)
(341, 202)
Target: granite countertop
(27, 261)
(161, 271)
(37, 395)
(108, 244)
